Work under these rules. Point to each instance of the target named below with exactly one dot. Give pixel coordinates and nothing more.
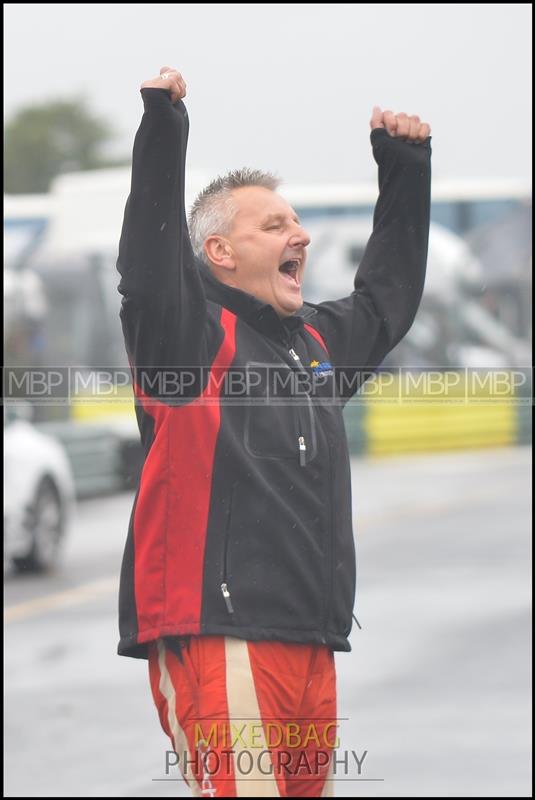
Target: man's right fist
(168, 79)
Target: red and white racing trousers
(247, 719)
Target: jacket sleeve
(163, 311)
(361, 329)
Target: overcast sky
(291, 87)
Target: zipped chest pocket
(279, 416)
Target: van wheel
(45, 522)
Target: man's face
(268, 248)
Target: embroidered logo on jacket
(322, 368)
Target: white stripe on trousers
(180, 742)
(243, 710)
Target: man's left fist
(400, 125)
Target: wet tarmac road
(436, 689)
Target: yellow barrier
(414, 427)
(86, 408)
(415, 412)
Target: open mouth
(290, 269)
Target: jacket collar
(260, 315)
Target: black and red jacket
(241, 524)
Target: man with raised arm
(238, 577)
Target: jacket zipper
(302, 451)
(301, 443)
(330, 538)
(330, 544)
(224, 586)
(226, 598)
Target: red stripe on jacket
(317, 336)
(173, 503)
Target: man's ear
(220, 252)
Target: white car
(38, 496)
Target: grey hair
(213, 211)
